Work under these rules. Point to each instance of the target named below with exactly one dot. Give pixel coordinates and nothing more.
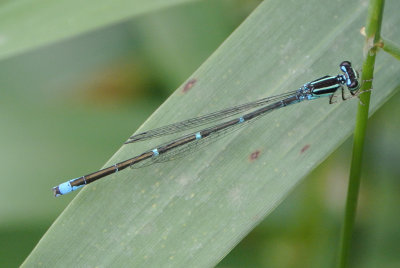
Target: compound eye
(346, 64)
(353, 85)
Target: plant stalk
(372, 29)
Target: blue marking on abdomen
(312, 96)
(198, 136)
(241, 120)
(155, 152)
(66, 187)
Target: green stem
(373, 27)
(390, 47)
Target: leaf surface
(192, 212)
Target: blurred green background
(66, 108)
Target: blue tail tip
(56, 191)
(65, 188)
(62, 189)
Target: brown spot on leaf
(189, 85)
(305, 148)
(254, 155)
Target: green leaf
(28, 24)
(192, 212)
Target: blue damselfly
(325, 86)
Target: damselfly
(325, 86)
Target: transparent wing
(205, 119)
(216, 133)
(190, 147)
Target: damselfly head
(350, 76)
